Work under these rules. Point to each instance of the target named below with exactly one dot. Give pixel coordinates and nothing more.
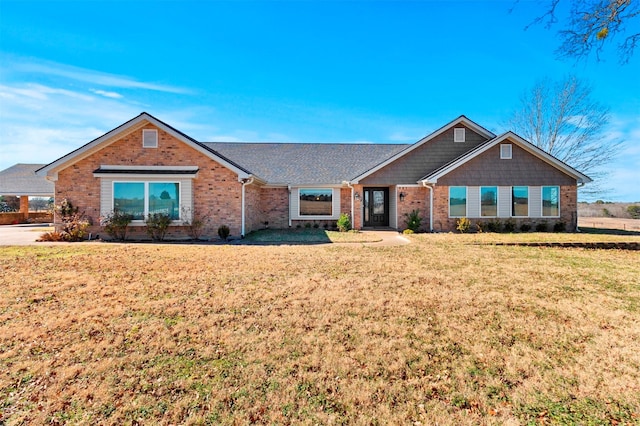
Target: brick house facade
(460, 170)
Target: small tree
(195, 222)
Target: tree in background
(591, 24)
(561, 118)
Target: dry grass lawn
(441, 331)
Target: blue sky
(300, 71)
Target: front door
(376, 207)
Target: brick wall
(416, 198)
(216, 189)
(274, 207)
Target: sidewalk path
(22, 235)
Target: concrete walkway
(389, 238)
(22, 235)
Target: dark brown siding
(424, 159)
(523, 169)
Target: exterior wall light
(402, 195)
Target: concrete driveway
(22, 235)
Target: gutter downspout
(426, 185)
(578, 186)
(245, 182)
(289, 205)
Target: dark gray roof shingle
(306, 163)
(21, 179)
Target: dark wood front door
(376, 207)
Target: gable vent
(149, 138)
(459, 134)
(505, 151)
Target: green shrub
(307, 225)
(158, 225)
(542, 227)
(316, 225)
(560, 226)
(344, 223)
(223, 232)
(463, 225)
(479, 227)
(634, 211)
(413, 220)
(525, 227)
(494, 225)
(116, 224)
(509, 225)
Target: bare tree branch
(562, 119)
(591, 25)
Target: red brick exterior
(274, 205)
(216, 189)
(415, 198)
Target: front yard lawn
(309, 236)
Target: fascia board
(460, 120)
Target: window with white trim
(457, 201)
(550, 201)
(315, 201)
(505, 151)
(520, 201)
(459, 134)
(140, 199)
(149, 138)
(489, 201)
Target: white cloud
(107, 94)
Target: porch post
(24, 207)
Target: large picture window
(520, 201)
(316, 202)
(140, 199)
(457, 201)
(550, 201)
(489, 201)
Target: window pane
(457, 201)
(315, 202)
(489, 201)
(520, 200)
(164, 198)
(128, 197)
(550, 201)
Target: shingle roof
(306, 163)
(21, 179)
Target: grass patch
(440, 331)
(309, 236)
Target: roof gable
(462, 120)
(51, 170)
(512, 138)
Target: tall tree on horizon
(561, 118)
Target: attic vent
(505, 151)
(149, 138)
(458, 134)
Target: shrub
(413, 220)
(158, 225)
(606, 213)
(525, 227)
(479, 227)
(116, 224)
(223, 232)
(463, 225)
(559, 226)
(307, 225)
(344, 223)
(51, 236)
(634, 211)
(74, 223)
(316, 225)
(326, 225)
(509, 225)
(542, 227)
(494, 225)
(408, 231)
(196, 223)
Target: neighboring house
(460, 170)
(21, 180)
